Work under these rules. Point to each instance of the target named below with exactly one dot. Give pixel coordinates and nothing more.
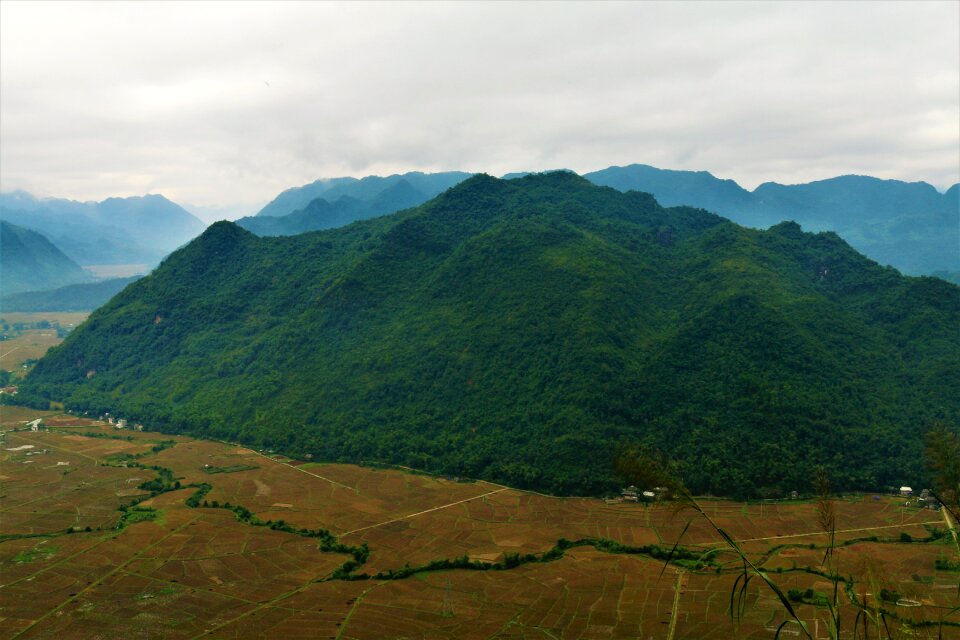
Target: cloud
(219, 103)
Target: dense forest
(520, 330)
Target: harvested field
(258, 549)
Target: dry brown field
(201, 572)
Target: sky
(223, 105)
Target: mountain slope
(115, 231)
(518, 330)
(28, 261)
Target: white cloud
(219, 103)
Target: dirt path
(286, 464)
(821, 533)
(420, 513)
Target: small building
(138, 427)
(121, 423)
(35, 425)
(906, 491)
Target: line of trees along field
(519, 330)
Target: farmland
(27, 341)
(109, 534)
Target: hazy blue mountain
(73, 297)
(115, 231)
(518, 330)
(949, 276)
(297, 198)
(318, 214)
(28, 261)
(910, 226)
(366, 189)
(323, 214)
(673, 188)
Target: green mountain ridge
(30, 261)
(519, 330)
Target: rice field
(87, 552)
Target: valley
(28, 336)
(121, 533)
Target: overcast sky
(226, 104)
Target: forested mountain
(518, 330)
(424, 185)
(73, 297)
(29, 261)
(115, 231)
(908, 225)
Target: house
(138, 427)
(35, 425)
(906, 491)
(121, 423)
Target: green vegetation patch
(230, 469)
(44, 552)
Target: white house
(906, 491)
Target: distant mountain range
(519, 330)
(116, 231)
(426, 185)
(74, 297)
(910, 226)
(28, 261)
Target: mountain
(673, 188)
(910, 226)
(115, 231)
(518, 330)
(29, 261)
(299, 197)
(367, 189)
(318, 214)
(322, 214)
(73, 297)
(949, 276)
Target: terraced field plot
(239, 552)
